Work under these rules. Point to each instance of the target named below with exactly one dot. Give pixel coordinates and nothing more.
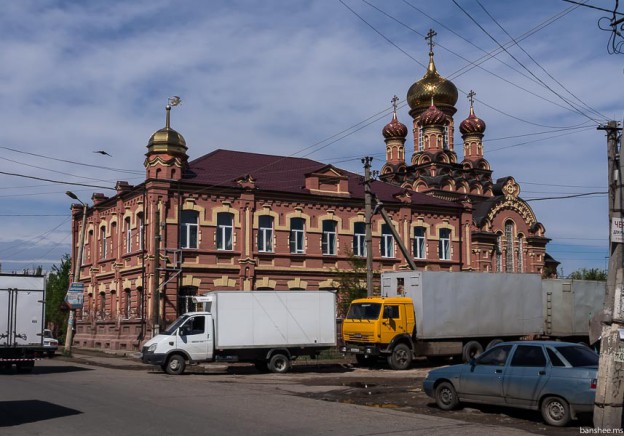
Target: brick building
(237, 220)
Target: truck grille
(358, 337)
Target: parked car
(50, 344)
(556, 378)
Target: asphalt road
(67, 398)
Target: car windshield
(579, 355)
(177, 323)
(364, 311)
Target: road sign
(75, 295)
(617, 230)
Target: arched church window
(509, 247)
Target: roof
(287, 174)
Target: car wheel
(279, 363)
(446, 396)
(555, 411)
(401, 358)
(175, 365)
(471, 350)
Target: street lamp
(69, 335)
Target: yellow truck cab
(378, 326)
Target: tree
(351, 283)
(58, 284)
(589, 274)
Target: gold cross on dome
(429, 39)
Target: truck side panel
(461, 305)
(570, 304)
(274, 319)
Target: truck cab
(378, 326)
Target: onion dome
(432, 86)
(433, 116)
(472, 124)
(394, 129)
(167, 140)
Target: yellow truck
(435, 314)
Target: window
(391, 312)
(445, 145)
(421, 139)
(509, 247)
(554, 359)
(444, 244)
(188, 229)
(225, 231)
(265, 234)
(141, 224)
(127, 304)
(128, 236)
(387, 241)
(328, 245)
(495, 356)
(139, 305)
(528, 356)
(359, 239)
(419, 242)
(520, 258)
(103, 243)
(499, 253)
(297, 234)
(185, 299)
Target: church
(233, 220)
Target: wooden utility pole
(610, 387)
(368, 216)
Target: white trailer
(268, 328)
(22, 318)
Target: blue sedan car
(556, 378)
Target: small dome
(167, 138)
(394, 129)
(432, 86)
(472, 124)
(433, 116)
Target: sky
(298, 78)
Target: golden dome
(432, 88)
(167, 138)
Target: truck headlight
(152, 348)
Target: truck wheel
(493, 343)
(471, 350)
(446, 396)
(279, 363)
(555, 411)
(401, 358)
(175, 365)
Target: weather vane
(171, 101)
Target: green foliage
(589, 274)
(58, 284)
(351, 283)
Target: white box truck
(267, 328)
(436, 313)
(22, 317)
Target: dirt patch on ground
(406, 394)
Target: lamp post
(69, 335)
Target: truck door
(195, 337)
(393, 322)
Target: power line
(55, 181)
(593, 7)
(563, 197)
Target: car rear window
(578, 355)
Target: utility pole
(368, 216)
(610, 387)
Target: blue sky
(281, 77)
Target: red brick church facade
(236, 220)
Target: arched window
(139, 305)
(128, 235)
(328, 244)
(297, 235)
(103, 252)
(359, 239)
(509, 247)
(419, 242)
(387, 241)
(189, 229)
(265, 234)
(141, 226)
(185, 299)
(520, 254)
(444, 244)
(498, 253)
(127, 308)
(225, 231)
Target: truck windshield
(177, 323)
(364, 311)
